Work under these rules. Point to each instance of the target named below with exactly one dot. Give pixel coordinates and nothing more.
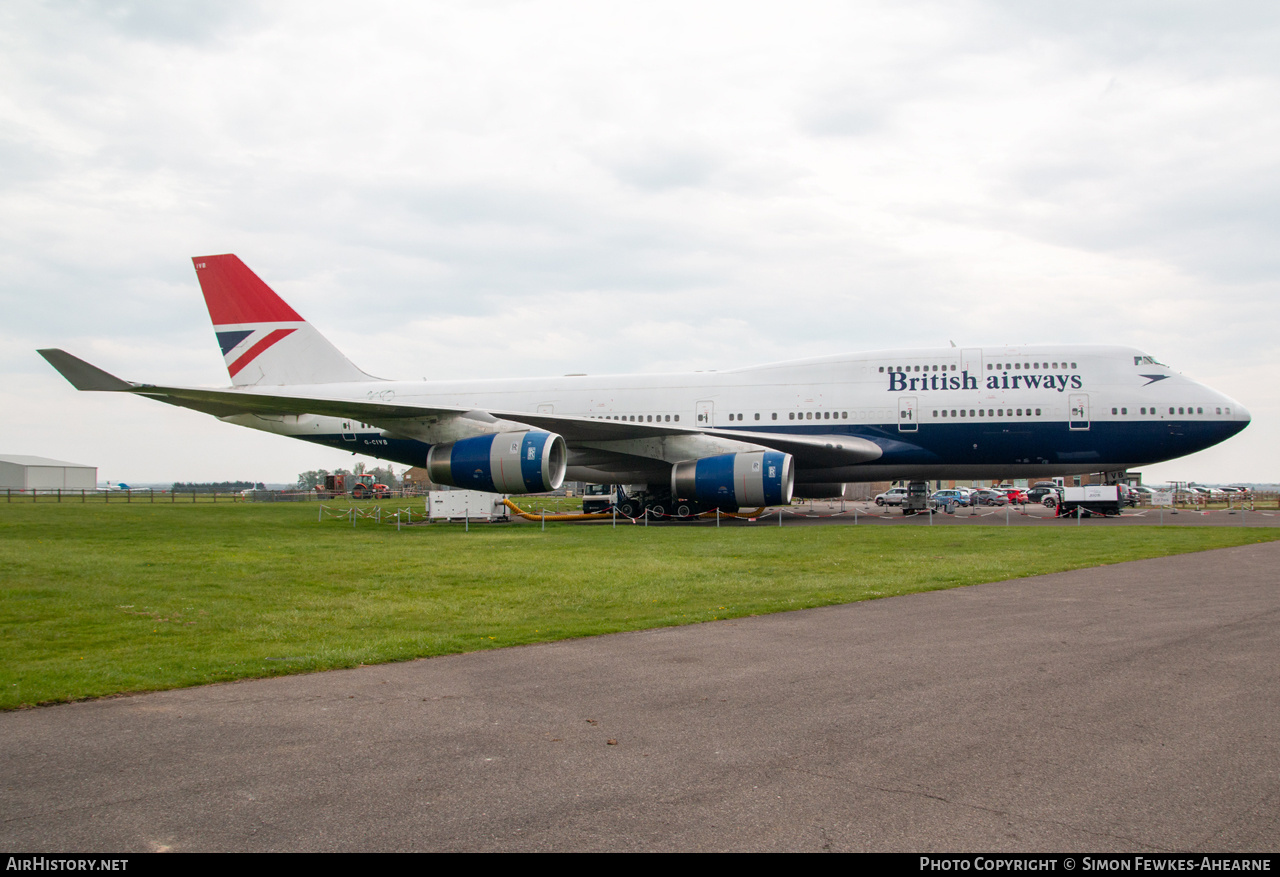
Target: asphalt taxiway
(1125, 708)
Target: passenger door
(706, 412)
(1079, 406)
(907, 414)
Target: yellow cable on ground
(757, 513)
(529, 516)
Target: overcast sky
(496, 189)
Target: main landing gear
(661, 504)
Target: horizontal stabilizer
(81, 374)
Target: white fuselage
(948, 412)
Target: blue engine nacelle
(755, 478)
(505, 462)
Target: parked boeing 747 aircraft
(691, 442)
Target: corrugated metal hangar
(21, 472)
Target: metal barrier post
(717, 517)
(646, 516)
(779, 516)
(615, 516)
(1079, 510)
(466, 520)
(544, 520)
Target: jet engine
(754, 478)
(505, 462)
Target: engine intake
(755, 478)
(505, 462)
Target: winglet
(81, 374)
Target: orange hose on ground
(529, 516)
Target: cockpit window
(1147, 360)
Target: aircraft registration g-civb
(685, 443)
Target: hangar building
(20, 472)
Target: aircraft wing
(809, 450)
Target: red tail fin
(234, 294)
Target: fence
(62, 494)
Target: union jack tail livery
(264, 341)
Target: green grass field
(97, 599)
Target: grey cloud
(162, 21)
(667, 168)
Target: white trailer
(458, 505)
(1092, 499)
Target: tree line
(313, 478)
(217, 486)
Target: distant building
(21, 472)
(416, 480)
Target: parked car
(1129, 496)
(950, 496)
(1048, 496)
(893, 496)
(990, 497)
